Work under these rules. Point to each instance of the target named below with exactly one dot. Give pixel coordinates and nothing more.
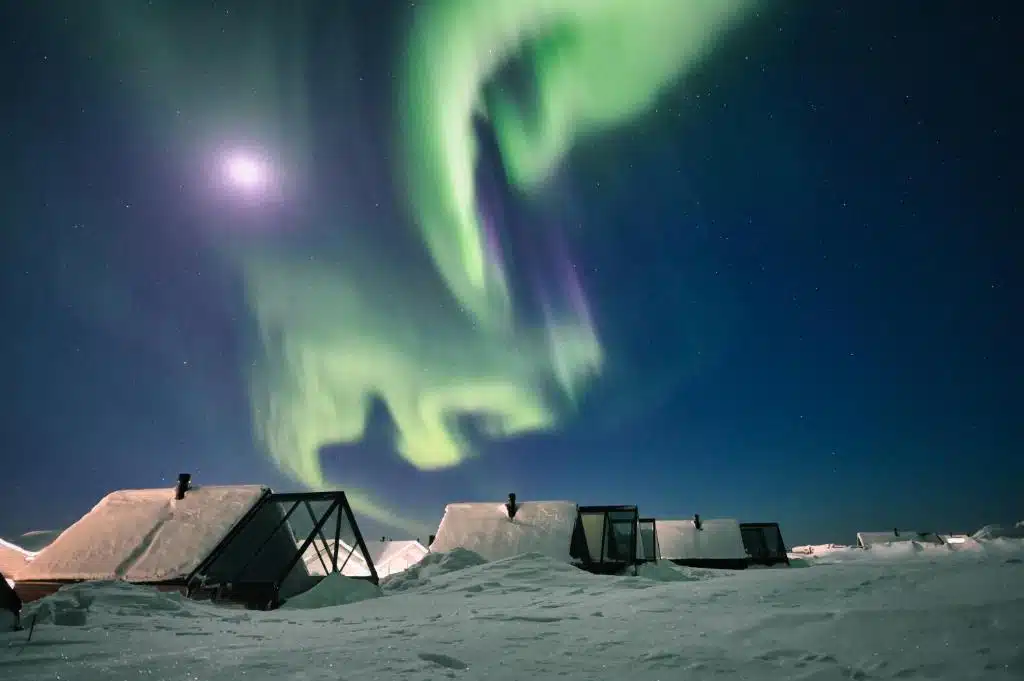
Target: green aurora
(353, 323)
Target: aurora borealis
(543, 237)
(477, 358)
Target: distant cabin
(318, 559)
(866, 540)
(392, 556)
(1000, 532)
(715, 543)
(603, 539)
(242, 543)
(388, 557)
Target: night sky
(801, 266)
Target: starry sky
(798, 262)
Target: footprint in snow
(443, 661)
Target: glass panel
(260, 550)
(593, 528)
(773, 540)
(754, 543)
(648, 540)
(272, 538)
(620, 546)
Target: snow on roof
(717, 540)
(543, 527)
(13, 559)
(144, 535)
(866, 539)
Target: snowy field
(899, 612)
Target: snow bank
(75, 604)
(717, 540)
(543, 527)
(334, 589)
(144, 535)
(666, 572)
(433, 565)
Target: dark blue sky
(803, 266)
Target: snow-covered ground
(900, 612)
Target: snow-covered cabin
(391, 556)
(486, 529)
(144, 535)
(866, 540)
(596, 538)
(1000, 532)
(716, 543)
(241, 542)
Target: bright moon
(245, 172)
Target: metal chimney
(184, 484)
(511, 506)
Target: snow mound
(72, 604)
(1003, 546)
(516, 575)
(667, 572)
(334, 589)
(433, 565)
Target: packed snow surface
(543, 527)
(334, 589)
(900, 612)
(144, 535)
